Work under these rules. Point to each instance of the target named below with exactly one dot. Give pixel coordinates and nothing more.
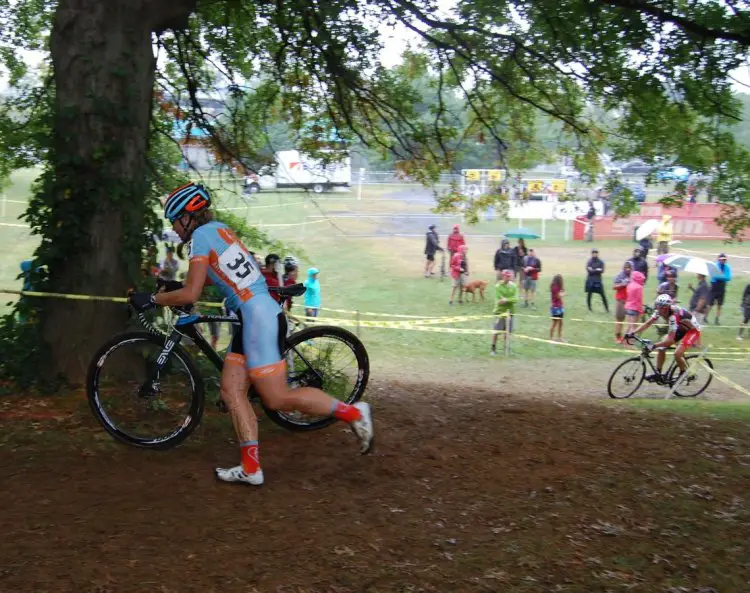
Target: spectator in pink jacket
(634, 299)
(455, 240)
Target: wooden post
(507, 334)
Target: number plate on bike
(239, 266)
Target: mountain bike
(146, 389)
(632, 372)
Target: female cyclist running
(216, 255)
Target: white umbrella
(702, 266)
(646, 229)
(696, 265)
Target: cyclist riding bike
(683, 330)
(217, 256)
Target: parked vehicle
(297, 171)
(636, 167)
(676, 173)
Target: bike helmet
(290, 263)
(662, 300)
(188, 199)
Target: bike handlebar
(643, 342)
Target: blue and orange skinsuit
(237, 276)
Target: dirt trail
(471, 490)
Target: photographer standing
(431, 247)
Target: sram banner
(684, 227)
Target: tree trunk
(104, 76)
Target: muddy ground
(474, 490)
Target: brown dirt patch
(466, 492)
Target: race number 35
(239, 266)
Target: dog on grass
(474, 287)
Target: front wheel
(138, 403)
(626, 378)
(328, 358)
(697, 381)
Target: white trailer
(296, 171)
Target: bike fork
(150, 386)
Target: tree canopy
(98, 115)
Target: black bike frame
(186, 323)
(185, 326)
(646, 356)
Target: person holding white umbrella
(643, 235)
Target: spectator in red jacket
(290, 277)
(271, 274)
(455, 240)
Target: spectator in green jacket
(506, 297)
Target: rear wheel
(626, 378)
(328, 358)
(698, 379)
(138, 405)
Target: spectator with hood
(639, 263)
(664, 234)
(455, 241)
(431, 247)
(312, 294)
(505, 257)
(634, 299)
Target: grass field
(369, 252)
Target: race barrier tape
(726, 380)
(420, 324)
(86, 297)
(459, 318)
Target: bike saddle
(294, 290)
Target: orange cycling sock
(250, 457)
(345, 412)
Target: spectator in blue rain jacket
(312, 294)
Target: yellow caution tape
(418, 324)
(726, 380)
(402, 325)
(458, 318)
(86, 297)
(366, 313)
